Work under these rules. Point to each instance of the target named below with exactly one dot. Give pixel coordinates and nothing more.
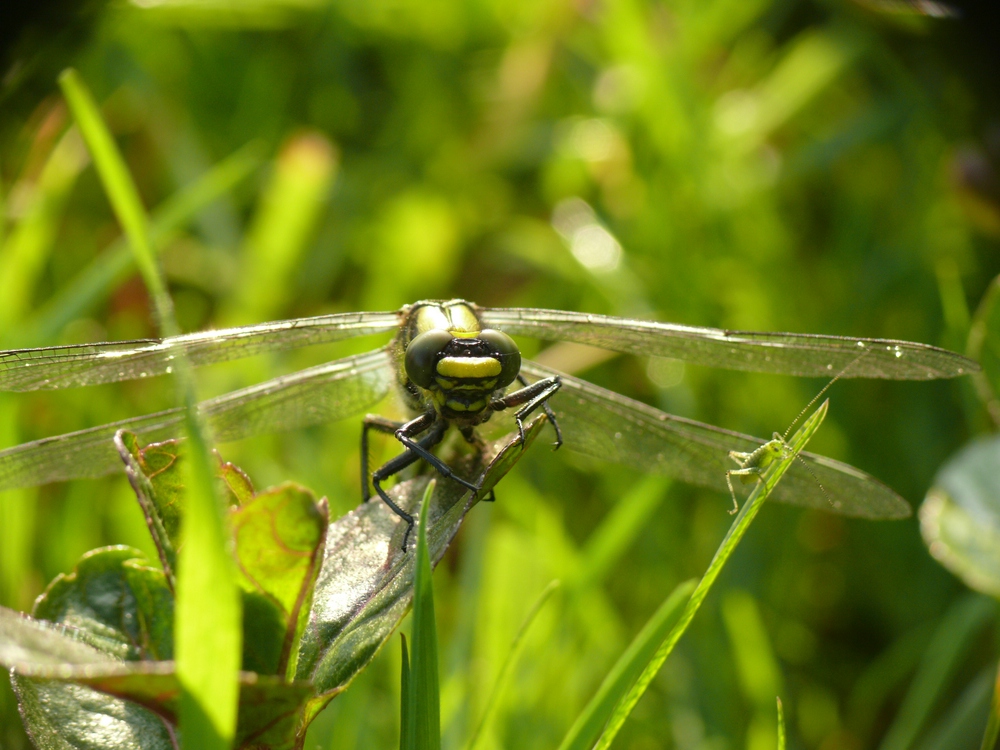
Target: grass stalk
(208, 635)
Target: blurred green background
(819, 167)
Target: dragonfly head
(462, 369)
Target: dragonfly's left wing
(804, 354)
(89, 364)
(319, 394)
(608, 426)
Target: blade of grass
(28, 246)
(747, 513)
(24, 253)
(993, 724)
(404, 699)
(955, 634)
(613, 537)
(291, 207)
(114, 264)
(515, 648)
(208, 638)
(424, 720)
(781, 726)
(587, 727)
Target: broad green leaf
(279, 537)
(424, 699)
(237, 483)
(960, 517)
(97, 616)
(154, 473)
(64, 716)
(65, 703)
(365, 583)
(27, 643)
(123, 610)
(116, 602)
(748, 512)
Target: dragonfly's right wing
(803, 354)
(319, 394)
(90, 364)
(611, 427)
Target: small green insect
(753, 465)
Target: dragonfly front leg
(406, 458)
(531, 396)
(548, 410)
(405, 435)
(379, 424)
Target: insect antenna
(784, 438)
(815, 479)
(825, 388)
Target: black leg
(379, 424)
(405, 435)
(548, 412)
(400, 462)
(531, 397)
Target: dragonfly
(591, 420)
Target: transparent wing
(89, 364)
(788, 353)
(611, 427)
(320, 394)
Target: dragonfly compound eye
(505, 350)
(423, 353)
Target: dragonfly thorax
(455, 362)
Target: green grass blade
(208, 637)
(588, 725)
(955, 634)
(749, 511)
(291, 206)
(424, 720)
(617, 532)
(25, 250)
(756, 664)
(405, 740)
(121, 191)
(515, 648)
(113, 265)
(781, 726)
(25, 253)
(993, 724)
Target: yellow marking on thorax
(468, 367)
(431, 317)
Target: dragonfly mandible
(594, 421)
